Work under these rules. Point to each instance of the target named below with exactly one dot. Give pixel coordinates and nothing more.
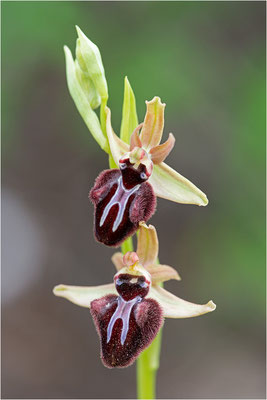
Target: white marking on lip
(120, 197)
(122, 312)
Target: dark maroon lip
(125, 328)
(120, 207)
(128, 322)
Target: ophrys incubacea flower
(123, 197)
(129, 312)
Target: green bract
(129, 119)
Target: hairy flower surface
(123, 197)
(129, 312)
(127, 322)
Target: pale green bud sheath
(89, 58)
(88, 87)
(83, 94)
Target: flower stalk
(146, 369)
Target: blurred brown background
(206, 60)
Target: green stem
(147, 366)
(127, 245)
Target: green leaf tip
(129, 115)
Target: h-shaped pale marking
(120, 197)
(122, 312)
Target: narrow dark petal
(115, 205)
(133, 328)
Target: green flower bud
(87, 86)
(90, 62)
(85, 97)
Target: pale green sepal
(170, 185)
(129, 115)
(162, 273)
(174, 307)
(89, 58)
(82, 103)
(83, 295)
(117, 147)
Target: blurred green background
(206, 60)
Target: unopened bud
(89, 59)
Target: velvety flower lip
(129, 312)
(166, 182)
(125, 319)
(122, 198)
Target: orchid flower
(129, 312)
(123, 197)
